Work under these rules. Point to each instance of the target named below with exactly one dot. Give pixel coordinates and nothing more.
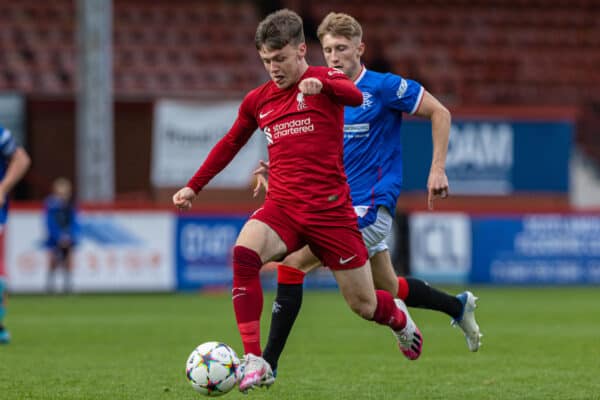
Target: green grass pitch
(538, 343)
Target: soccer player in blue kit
(373, 164)
(14, 162)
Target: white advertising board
(184, 134)
(440, 247)
(118, 251)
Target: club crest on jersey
(367, 100)
(300, 101)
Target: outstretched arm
(218, 158)
(437, 183)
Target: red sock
(289, 276)
(247, 297)
(387, 313)
(402, 288)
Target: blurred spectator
(63, 231)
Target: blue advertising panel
(536, 249)
(493, 157)
(203, 250)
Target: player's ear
(301, 50)
(361, 49)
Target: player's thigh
(357, 287)
(337, 246)
(375, 226)
(260, 237)
(303, 259)
(384, 275)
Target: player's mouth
(278, 79)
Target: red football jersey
(305, 141)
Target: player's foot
(410, 339)
(466, 321)
(256, 372)
(4, 336)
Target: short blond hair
(339, 24)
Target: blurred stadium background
(126, 97)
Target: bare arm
(17, 167)
(437, 183)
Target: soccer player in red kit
(300, 110)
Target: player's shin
(285, 310)
(387, 313)
(247, 297)
(420, 294)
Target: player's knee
(246, 262)
(294, 260)
(363, 306)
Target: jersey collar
(360, 76)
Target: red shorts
(332, 235)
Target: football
(212, 369)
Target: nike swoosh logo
(261, 115)
(347, 260)
(241, 291)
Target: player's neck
(357, 72)
(303, 68)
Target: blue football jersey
(8, 147)
(372, 141)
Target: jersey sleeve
(226, 148)
(337, 86)
(401, 94)
(8, 146)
